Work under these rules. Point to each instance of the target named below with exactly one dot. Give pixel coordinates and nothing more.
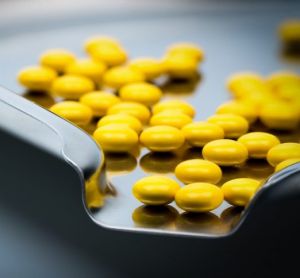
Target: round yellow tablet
(37, 78)
(225, 152)
(198, 134)
(125, 119)
(258, 143)
(174, 105)
(96, 41)
(71, 86)
(57, 59)
(233, 125)
(199, 197)
(286, 163)
(278, 79)
(189, 49)
(99, 102)
(117, 77)
(73, 111)
(198, 170)
(283, 152)
(141, 92)
(238, 192)
(171, 118)
(155, 190)
(150, 67)
(116, 138)
(88, 68)
(162, 138)
(289, 30)
(134, 109)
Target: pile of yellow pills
(141, 92)
(155, 190)
(171, 118)
(238, 192)
(283, 152)
(199, 197)
(73, 111)
(150, 67)
(258, 143)
(286, 163)
(174, 105)
(198, 170)
(225, 152)
(162, 138)
(188, 49)
(99, 102)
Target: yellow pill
(162, 138)
(155, 190)
(225, 152)
(233, 125)
(239, 192)
(258, 143)
(244, 109)
(141, 92)
(57, 59)
(289, 30)
(283, 152)
(258, 99)
(125, 119)
(116, 138)
(286, 163)
(73, 111)
(96, 41)
(37, 78)
(189, 49)
(174, 105)
(199, 197)
(279, 115)
(88, 68)
(198, 134)
(134, 109)
(99, 102)
(119, 76)
(277, 79)
(289, 92)
(198, 170)
(150, 67)
(71, 86)
(170, 118)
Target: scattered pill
(286, 163)
(150, 67)
(174, 105)
(170, 118)
(188, 49)
(97, 41)
(289, 31)
(283, 152)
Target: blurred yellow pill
(155, 190)
(258, 99)
(134, 109)
(174, 105)
(233, 125)
(199, 197)
(99, 101)
(171, 118)
(37, 78)
(189, 49)
(116, 138)
(238, 192)
(73, 111)
(198, 170)
(96, 41)
(198, 134)
(258, 143)
(88, 68)
(162, 138)
(57, 59)
(289, 92)
(286, 163)
(117, 77)
(141, 92)
(289, 31)
(125, 119)
(283, 152)
(71, 86)
(150, 67)
(277, 79)
(225, 152)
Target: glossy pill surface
(170, 118)
(283, 152)
(233, 125)
(199, 197)
(150, 67)
(71, 86)
(238, 192)
(225, 152)
(286, 163)
(198, 170)
(189, 49)
(99, 102)
(155, 190)
(162, 138)
(200, 133)
(73, 111)
(258, 143)
(116, 138)
(174, 105)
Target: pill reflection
(258, 169)
(231, 216)
(41, 99)
(120, 163)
